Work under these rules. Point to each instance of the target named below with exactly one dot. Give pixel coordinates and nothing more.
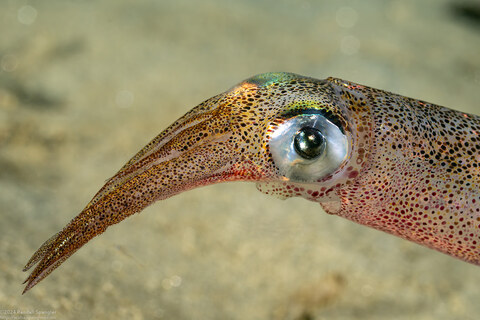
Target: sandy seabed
(85, 84)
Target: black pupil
(309, 143)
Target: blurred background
(85, 84)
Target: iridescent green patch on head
(306, 107)
(269, 78)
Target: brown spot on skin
(353, 174)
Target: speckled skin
(412, 167)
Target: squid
(396, 164)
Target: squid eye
(308, 147)
(309, 143)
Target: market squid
(400, 165)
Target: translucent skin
(412, 170)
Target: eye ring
(309, 143)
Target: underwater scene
(85, 85)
